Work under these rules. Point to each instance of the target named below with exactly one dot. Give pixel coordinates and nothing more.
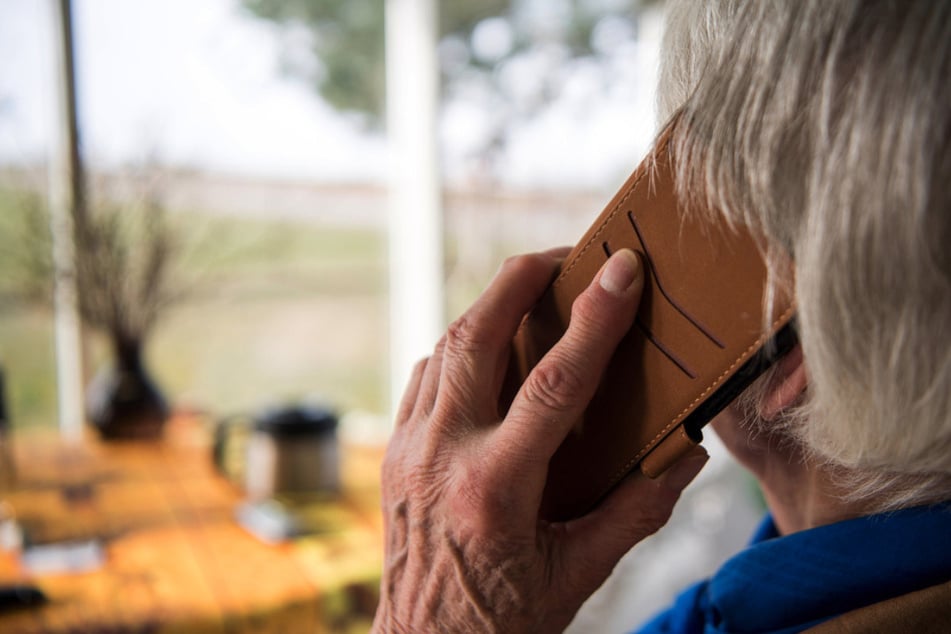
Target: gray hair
(826, 125)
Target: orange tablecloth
(176, 560)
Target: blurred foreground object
(174, 558)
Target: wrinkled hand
(465, 549)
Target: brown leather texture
(700, 319)
(926, 611)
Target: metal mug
(287, 451)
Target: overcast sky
(198, 83)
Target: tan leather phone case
(697, 341)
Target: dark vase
(123, 401)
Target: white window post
(415, 215)
(64, 194)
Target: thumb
(637, 508)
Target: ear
(788, 386)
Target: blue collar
(786, 584)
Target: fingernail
(683, 472)
(620, 273)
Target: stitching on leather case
(679, 417)
(699, 325)
(604, 224)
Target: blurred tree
(477, 41)
(26, 263)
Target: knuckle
(585, 314)
(517, 261)
(527, 263)
(481, 497)
(555, 384)
(452, 412)
(511, 262)
(420, 367)
(439, 349)
(465, 336)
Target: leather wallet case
(697, 341)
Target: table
(175, 559)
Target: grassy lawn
(271, 310)
(26, 352)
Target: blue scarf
(788, 584)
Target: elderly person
(826, 126)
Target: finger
(557, 391)
(502, 363)
(478, 342)
(410, 395)
(637, 508)
(429, 382)
(558, 252)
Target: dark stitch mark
(667, 352)
(601, 228)
(650, 335)
(653, 269)
(676, 420)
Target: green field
(270, 310)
